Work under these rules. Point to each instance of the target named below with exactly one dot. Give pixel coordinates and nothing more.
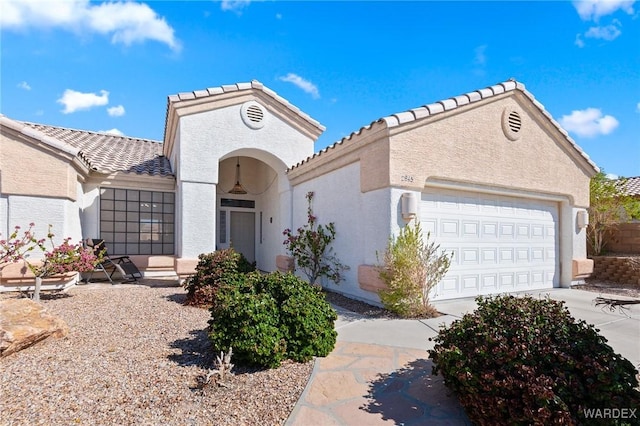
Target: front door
(243, 233)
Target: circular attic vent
(253, 114)
(511, 123)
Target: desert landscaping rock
(24, 322)
(134, 356)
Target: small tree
(412, 267)
(311, 248)
(61, 259)
(609, 205)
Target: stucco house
(490, 174)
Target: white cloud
(594, 9)
(589, 123)
(303, 84)
(126, 22)
(116, 111)
(113, 131)
(638, 107)
(480, 57)
(24, 85)
(234, 5)
(579, 42)
(608, 32)
(76, 101)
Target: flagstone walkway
(371, 384)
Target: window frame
(123, 214)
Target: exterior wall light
(409, 204)
(583, 219)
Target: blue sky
(110, 66)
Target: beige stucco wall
(465, 145)
(468, 145)
(35, 170)
(370, 149)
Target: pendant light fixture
(238, 188)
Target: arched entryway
(252, 188)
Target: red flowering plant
(61, 259)
(311, 248)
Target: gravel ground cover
(134, 356)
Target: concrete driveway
(379, 372)
(620, 328)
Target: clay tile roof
(438, 107)
(632, 185)
(107, 153)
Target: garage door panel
(522, 255)
(489, 283)
(537, 231)
(499, 243)
(507, 230)
(449, 286)
(489, 229)
(522, 231)
(507, 281)
(449, 229)
(489, 255)
(471, 229)
(537, 278)
(522, 280)
(431, 227)
(537, 254)
(470, 283)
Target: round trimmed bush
(249, 323)
(306, 319)
(520, 360)
(266, 318)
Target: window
(137, 222)
(230, 202)
(222, 229)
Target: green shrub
(266, 318)
(249, 323)
(412, 267)
(520, 360)
(213, 270)
(306, 319)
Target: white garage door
(499, 243)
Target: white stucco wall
(209, 136)
(91, 211)
(379, 213)
(364, 221)
(579, 236)
(4, 215)
(198, 202)
(62, 214)
(203, 140)
(271, 244)
(361, 221)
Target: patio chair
(109, 265)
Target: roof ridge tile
(252, 85)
